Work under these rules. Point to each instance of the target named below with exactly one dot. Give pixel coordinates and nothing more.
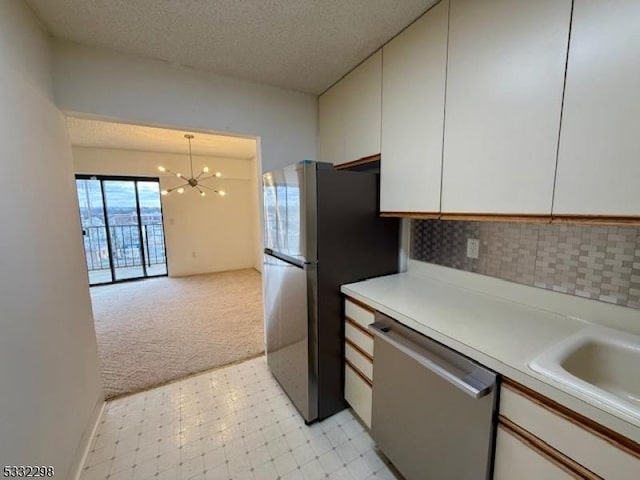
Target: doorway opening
(205, 310)
(122, 228)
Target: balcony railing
(125, 245)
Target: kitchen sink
(600, 362)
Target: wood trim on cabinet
(521, 218)
(617, 440)
(358, 349)
(497, 217)
(544, 449)
(418, 215)
(358, 162)
(357, 326)
(363, 305)
(596, 219)
(358, 372)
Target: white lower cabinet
(358, 392)
(537, 438)
(517, 460)
(554, 435)
(358, 337)
(358, 368)
(359, 361)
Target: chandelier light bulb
(202, 194)
(179, 175)
(164, 192)
(218, 174)
(162, 169)
(222, 193)
(180, 190)
(205, 169)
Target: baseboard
(85, 443)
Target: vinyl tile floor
(233, 423)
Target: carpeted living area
(157, 330)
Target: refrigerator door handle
(296, 262)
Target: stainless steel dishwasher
(433, 409)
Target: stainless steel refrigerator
(322, 230)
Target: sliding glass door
(152, 229)
(94, 229)
(122, 227)
(123, 218)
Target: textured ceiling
(95, 133)
(304, 45)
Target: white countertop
(470, 314)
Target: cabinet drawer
(568, 435)
(359, 337)
(516, 459)
(360, 313)
(358, 393)
(360, 361)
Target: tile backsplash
(598, 262)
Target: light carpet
(157, 330)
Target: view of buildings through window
(122, 228)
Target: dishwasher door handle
(468, 384)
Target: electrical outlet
(473, 248)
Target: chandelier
(192, 181)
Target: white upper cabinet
(349, 114)
(413, 86)
(363, 106)
(505, 80)
(331, 125)
(599, 155)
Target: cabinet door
(357, 392)
(413, 83)
(600, 454)
(515, 460)
(599, 160)
(505, 78)
(363, 97)
(331, 134)
(349, 114)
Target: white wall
(49, 376)
(256, 188)
(203, 234)
(96, 82)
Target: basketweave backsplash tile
(598, 262)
